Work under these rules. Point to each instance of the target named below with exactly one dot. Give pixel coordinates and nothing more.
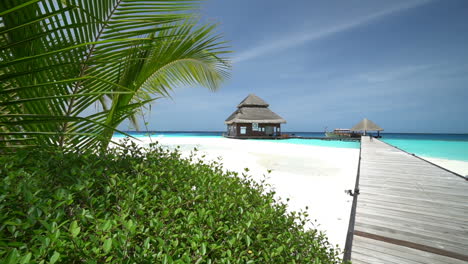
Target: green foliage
(62, 60)
(130, 205)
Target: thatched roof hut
(367, 125)
(253, 118)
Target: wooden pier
(407, 210)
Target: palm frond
(186, 56)
(59, 58)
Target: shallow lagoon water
(312, 142)
(445, 149)
(445, 146)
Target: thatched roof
(254, 110)
(253, 100)
(366, 125)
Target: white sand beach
(311, 176)
(457, 166)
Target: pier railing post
(352, 217)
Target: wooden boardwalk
(408, 210)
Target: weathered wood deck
(408, 210)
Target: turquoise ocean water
(312, 142)
(454, 150)
(445, 146)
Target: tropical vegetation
(145, 206)
(72, 70)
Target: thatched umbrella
(367, 125)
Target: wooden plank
(403, 186)
(419, 215)
(422, 228)
(364, 255)
(436, 221)
(412, 207)
(413, 237)
(409, 210)
(396, 199)
(360, 257)
(403, 183)
(427, 194)
(405, 253)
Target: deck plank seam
(413, 245)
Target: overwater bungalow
(253, 119)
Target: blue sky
(402, 64)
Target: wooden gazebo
(367, 125)
(253, 119)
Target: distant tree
(58, 59)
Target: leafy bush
(135, 206)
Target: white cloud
(394, 74)
(301, 38)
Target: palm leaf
(59, 58)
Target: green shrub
(136, 206)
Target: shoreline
(457, 166)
